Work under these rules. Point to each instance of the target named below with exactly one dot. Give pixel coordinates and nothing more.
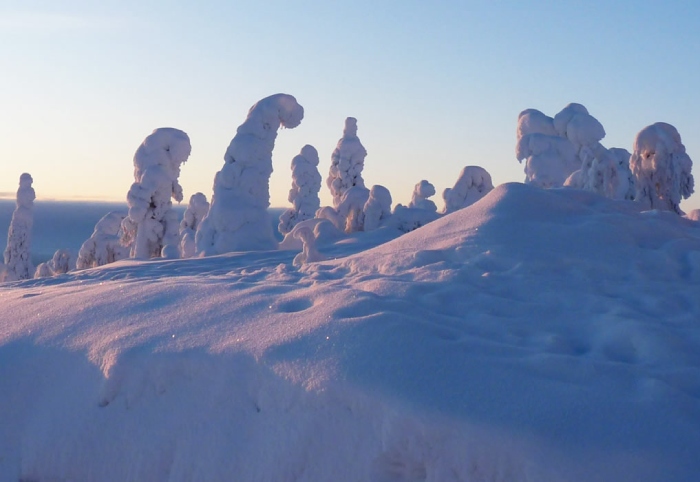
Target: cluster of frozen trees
(566, 151)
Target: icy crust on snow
(534, 335)
(238, 219)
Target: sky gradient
(435, 86)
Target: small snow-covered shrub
(306, 183)
(474, 182)
(196, 211)
(104, 246)
(377, 209)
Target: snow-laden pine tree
(151, 222)
(419, 199)
(18, 257)
(661, 167)
(238, 219)
(377, 209)
(474, 182)
(62, 262)
(306, 183)
(347, 162)
(196, 211)
(104, 246)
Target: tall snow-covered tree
(474, 182)
(661, 167)
(238, 219)
(347, 162)
(197, 210)
(151, 222)
(18, 258)
(306, 183)
(104, 246)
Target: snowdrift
(535, 335)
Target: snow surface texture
(104, 246)
(196, 211)
(473, 183)
(661, 167)
(537, 335)
(347, 162)
(306, 183)
(151, 223)
(18, 258)
(238, 219)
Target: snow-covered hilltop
(535, 335)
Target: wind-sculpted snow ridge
(151, 223)
(540, 335)
(238, 219)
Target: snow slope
(535, 335)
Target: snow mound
(534, 335)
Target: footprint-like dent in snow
(294, 306)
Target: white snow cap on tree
(473, 184)
(306, 183)
(349, 216)
(18, 258)
(661, 168)
(196, 211)
(377, 209)
(238, 219)
(347, 162)
(549, 159)
(421, 193)
(62, 262)
(576, 124)
(104, 246)
(151, 222)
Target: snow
(152, 223)
(419, 199)
(661, 167)
(196, 211)
(306, 183)
(347, 163)
(238, 217)
(537, 334)
(377, 210)
(473, 183)
(104, 246)
(18, 258)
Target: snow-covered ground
(539, 335)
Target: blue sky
(435, 86)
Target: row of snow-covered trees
(561, 151)
(566, 151)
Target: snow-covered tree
(238, 219)
(196, 211)
(306, 183)
(474, 182)
(349, 215)
(347, 162)
(309, 253)
(18, 258)
(377, 209)
(421, 192)
(104, 246)
(549, 158)
(661, 167)
(151, 222)
(62, 262)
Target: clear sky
(434, 85)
